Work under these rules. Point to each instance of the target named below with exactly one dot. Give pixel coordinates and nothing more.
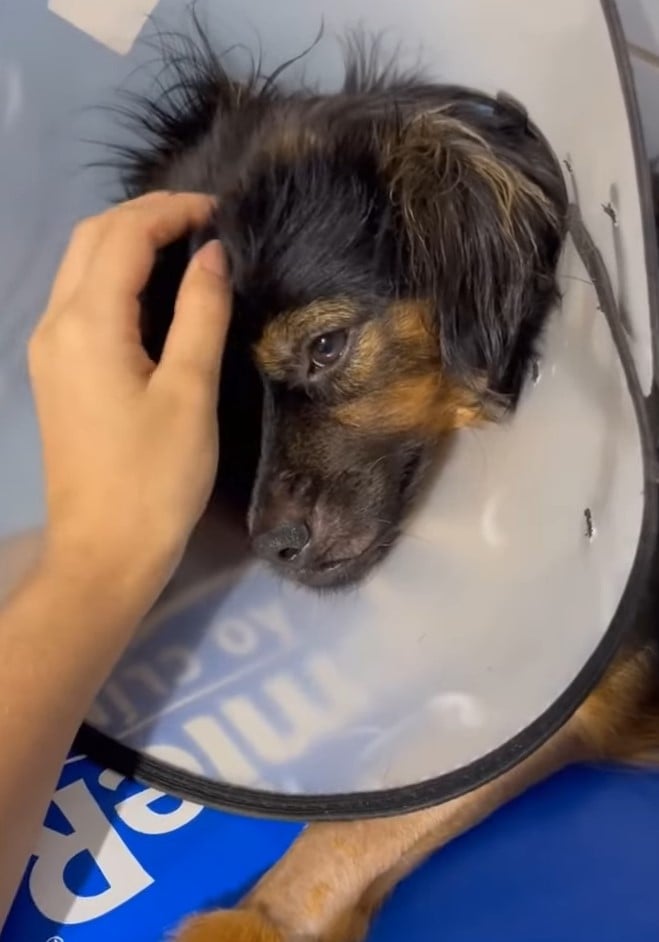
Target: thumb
(202, 313)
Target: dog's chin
(345, 574)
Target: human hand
(129, 447)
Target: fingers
(75, 261)
(110, 256)
(132, 235)
(201, 320)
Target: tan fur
(402, 332)
(424, 403)
(336, 875)
(285, 335)
(409, 324)
(620, 719)
(370, 349)
(437, 146)
(435, 140)
(392, 378)
(233, 925)
(292, 141)
(417, 396)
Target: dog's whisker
(583, 281)
(411, 534)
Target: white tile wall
(641, 22)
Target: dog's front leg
(334, 877)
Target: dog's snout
(283, 544)
(281, 522)
(308, 534)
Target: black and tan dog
(393, 250)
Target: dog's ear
(480, 238)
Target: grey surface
(496, 597)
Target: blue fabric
(576, 858)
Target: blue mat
(577, 858)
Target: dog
(393, 251)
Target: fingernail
(211, 257)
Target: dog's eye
(326, 349)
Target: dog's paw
(228, 925)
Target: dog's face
(393, 259)
(355, 403)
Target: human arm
(130, 454)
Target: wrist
(112, 580)
(68, 619)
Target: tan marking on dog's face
(287, 336)
(402, 333)
(391, 379)
(425, 405)
(415, 396)
(390, 347)
(410, 322)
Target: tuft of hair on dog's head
(480, 237)
(393, 249)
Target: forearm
(130, 454)
(60, 636)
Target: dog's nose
(285, 543)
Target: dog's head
(393, 256)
